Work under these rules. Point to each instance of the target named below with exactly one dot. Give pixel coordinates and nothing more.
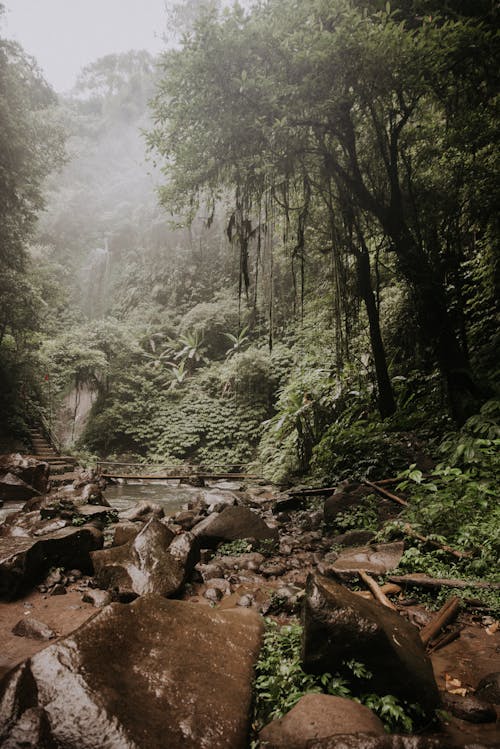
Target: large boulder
(143, 511)
(25, 561)
(366, 741)
(376, 559)
(340, 626)
(30, 472)
(317, 716)
(146, 564)
(14, 488)
(154, 674)
(231, 524)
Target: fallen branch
(444, 616)
(445, 639)
(410, 531)
(378, 594)
(420, 580)
(312, 492)
(386, 493)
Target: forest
(272, 248)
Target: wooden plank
(166, 477)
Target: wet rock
(33, 628)
(469, 708)
(488, 688)
(145, 565)
(318, 716)
(14, 488)
(339, 625)
(216, 500)
(96, 597)
(143, 511)
(34, 473)
(231, 524)
(367, 741)
(353, 538)
(25, 561)
(376, 560)
(125, 532)
(171, 682)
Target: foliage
(280, 682)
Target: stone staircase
(62, 467)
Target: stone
(24, 562)
(249, 561)
(33, 628)
(154, 674)
(58, 590)
(367, 741)
(187, 519)
(213, 594)
(219, 499)
(245, 601)
(376, 560)
(143, 511)
(489, 688)
(353, 538)
(33, 472)
(318, 716)
(96, 597)
(210, 571)
(14, 488)
(469, 708)
(146, 564)
(125, 532)
(339, 626)
(231, 524)
(92, 495)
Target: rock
(273, 569)
(187, 519)
(142, 511)
(289, 504)
(469, 708)
(25, 561)
(249, 561)
(97, 598)
(353, 538)
(33, 472)
(376, 560)
(145, 565)
(231, 524)
(489, 688)
(34, 629)
(339, 626)
(171, 683)
(317, 716)
(186, 549)
(218, 499)
(367, 741)
(13, 487)
(58, 590)
(210, 571)
(245, 601)
(125, 532)
(93, 495)
(96, 512)
(213, 594)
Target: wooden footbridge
(112, 471)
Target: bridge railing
(165, 470)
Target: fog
(65, 35)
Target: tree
(334, 94)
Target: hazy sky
(65, 35)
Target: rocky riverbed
(136, 629)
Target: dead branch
(445, 639)
(420, 580)
(386, 493)
(444, 616)
(378, 594)
(410, 531)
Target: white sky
(65, 35)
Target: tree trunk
(386, 402)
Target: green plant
(234, 548)
(365, 516)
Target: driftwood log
(444, 616)
(378, 593)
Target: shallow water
(170, 496)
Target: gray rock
(489, 688)
(367, 741)
(124, 532)
(231, 524)
(339, 626)
(146, 564)
(14, 488)
(353, 538)
(25, 561)
(319, 716)
(143, 511)
(33, 629)
(96, 597)
(154, 674)
(213, 594)
(469, 708)
(33, 472)
(377, 560)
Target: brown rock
(377, 560)
(339, 626)
(125, 532)
(25, 561)
(365, 741)
(489, 688)
(146, 564)
(469, 708)
(143, 511)
(318, 716)
(13, 487)
(33, 628)
(33, 472)
(231, 524)
(97, 598)
(154, 674)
